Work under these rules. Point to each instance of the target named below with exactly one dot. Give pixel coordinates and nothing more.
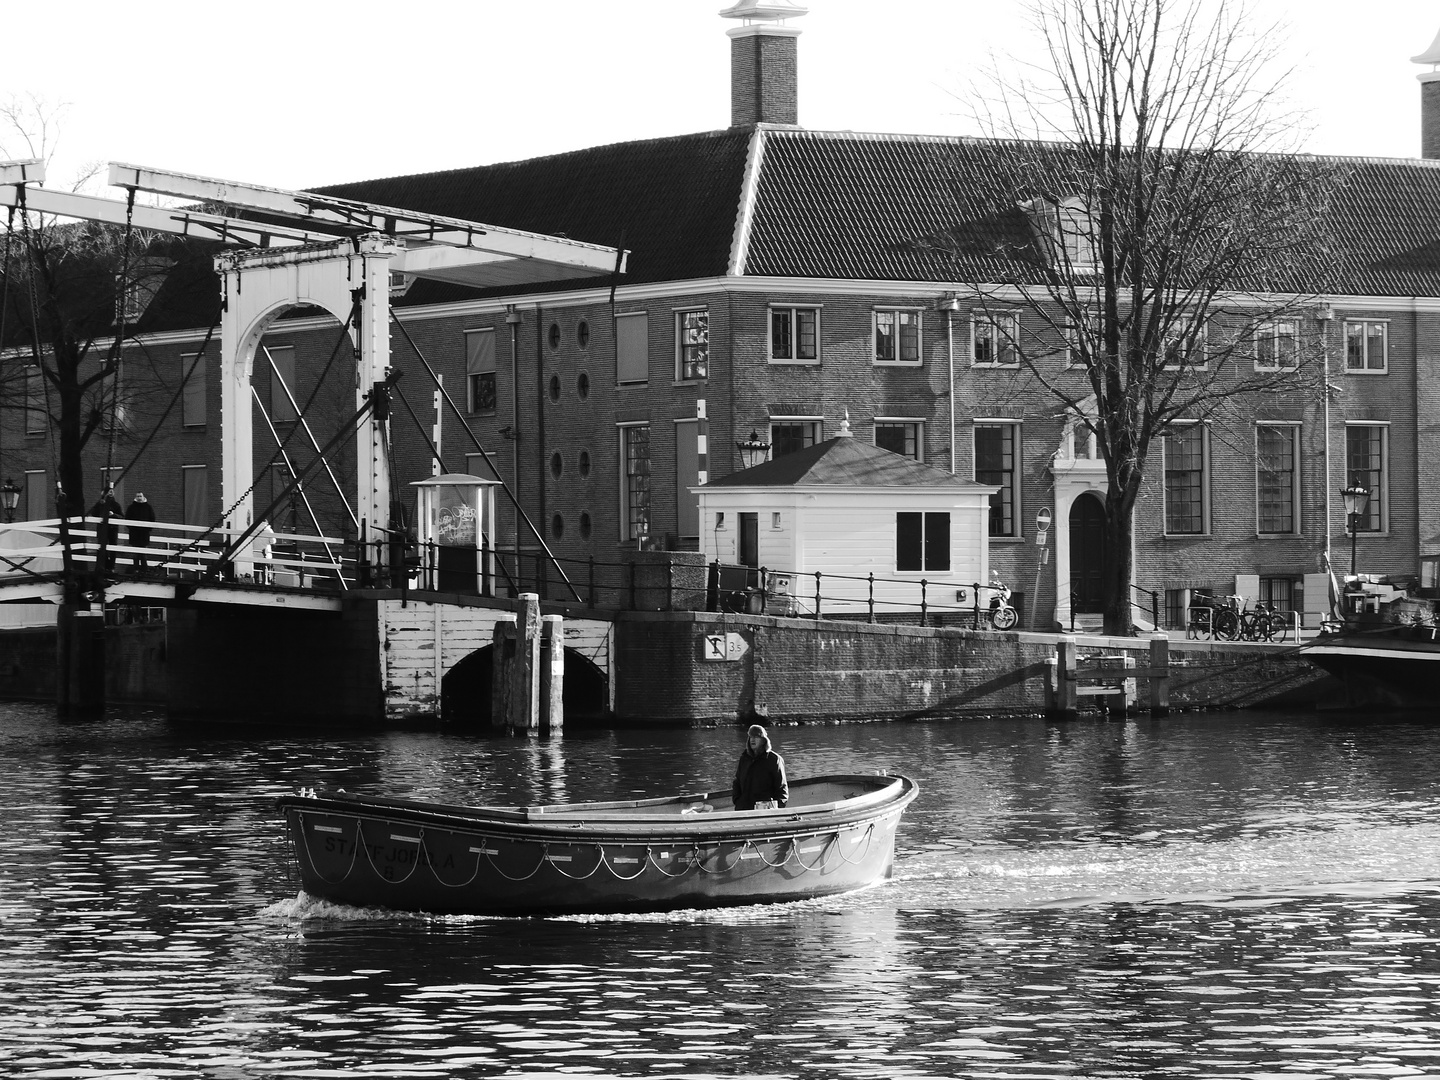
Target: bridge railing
(176, 550)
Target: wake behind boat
(836, 834)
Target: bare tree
(70, 295)
(1152, 246)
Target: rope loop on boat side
(761, 855)
(544, 854)
(643, 861)
(719, 854)
(419, 849)
(599, 859)
(473, 874)
(869, 839)
(834, 838)
(656, 863)
(305, 837)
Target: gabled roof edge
(745, 212)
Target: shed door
(1087, 554)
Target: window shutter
(937, 542)
(908, 554)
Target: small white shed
(849, 509)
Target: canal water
(1212, 895)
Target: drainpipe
(512, 319)
(541, 390)
(1323, 316)
(948, 303)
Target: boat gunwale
(718, 827)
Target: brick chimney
(763, 75)
(1430, 100)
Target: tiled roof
(672, 202)
(917, 208)
(844, 461)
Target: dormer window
(1065, 231)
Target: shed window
(922, 541)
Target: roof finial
(1429, 56)
(845, 432)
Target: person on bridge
(138, 535)
(760, 775)
(108, 510)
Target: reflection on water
(1213, 895)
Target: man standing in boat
(760, 776)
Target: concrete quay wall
(797, 669)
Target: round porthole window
(557, 464)
(582, 334)
(554, 335)
(584, 462)
(554, 387)
(582, 386)
(557, 527)
(585, 526)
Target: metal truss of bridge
(297, 248)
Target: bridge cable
(290, 466)
(465, 426)
(314, 443)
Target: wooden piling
(552, 674)
(1159, 675)
(80, 649)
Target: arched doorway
(466, 690)
(1087, 553)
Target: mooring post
(552, 674)
(1067, 701)
(525, 674)
(80, 647)
(1160, 675)
(502, 659)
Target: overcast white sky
(301, 93)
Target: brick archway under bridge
(466, 690)
(422, 643)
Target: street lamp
(752, 450)
(1357, 498)
(10, 498)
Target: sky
(302, 93)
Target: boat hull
(599, 858)
(1388, 666)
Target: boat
(1385, 647)
(836, 834)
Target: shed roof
(844, 461)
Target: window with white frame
(901, 436)
(634, 481)
(794, 335)
(632, 349)
(192, 396)
(1186, 484)
(1367, 345)
(993, 339)
(922, 541)
(997, 446)
(480, 371)
(1074, 328)
(692, 345)
(1277, 345)
(1184, 345)
(791, 433)
(1367, 465)
(897, 336)
(281, 366)
(1277, 478)
(1066, 231)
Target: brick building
(779, 280)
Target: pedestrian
(760, 775)
(139, 514)
(107, 510)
